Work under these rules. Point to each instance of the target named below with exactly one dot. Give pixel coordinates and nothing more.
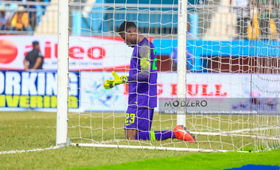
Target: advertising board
(225, 92)
(23, 90)
(85, 53)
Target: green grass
(30, 130)
(70, 157)
(206, 161)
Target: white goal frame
(63, 70)
(63, 84)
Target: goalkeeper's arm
(143, 75)
(145, 65)
(110, 83)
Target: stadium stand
(48, 24)
(209, 19)
(29, 12)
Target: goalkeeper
(142, 81)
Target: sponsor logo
(8, 51)
(178, 103)
(99, 95)
(76, 52)
(84, 53)
(194, 89)
(20, 89)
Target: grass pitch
(206, 161)
(30, 130)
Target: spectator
(10, 8)
(174, 56)
(3, 19)
(276, 4)
(190, 58)
(264, 16)
(5, 23)
(243, 16)
(20, 20)
(32, 14)
(190, 36)
(34, 58)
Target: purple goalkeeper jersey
(143, 76)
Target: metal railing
(205, 21)
(21, 18)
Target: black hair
(126, 25)
(34, 43)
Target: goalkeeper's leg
(138, 126)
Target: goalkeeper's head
(129, 33)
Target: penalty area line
(30, 150)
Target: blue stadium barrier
(233, 48)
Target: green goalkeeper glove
(109, 83)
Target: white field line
(244, 130)
(236, 133)
(241, 130)
(25, 126)
(147, 147)
(31, 150)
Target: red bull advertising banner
(223, 93)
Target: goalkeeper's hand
(109, 83)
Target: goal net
(217, 73)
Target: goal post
(181, 70)
(63, 68)
(62, 73)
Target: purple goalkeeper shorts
(139, 118)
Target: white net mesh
(232, 66)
